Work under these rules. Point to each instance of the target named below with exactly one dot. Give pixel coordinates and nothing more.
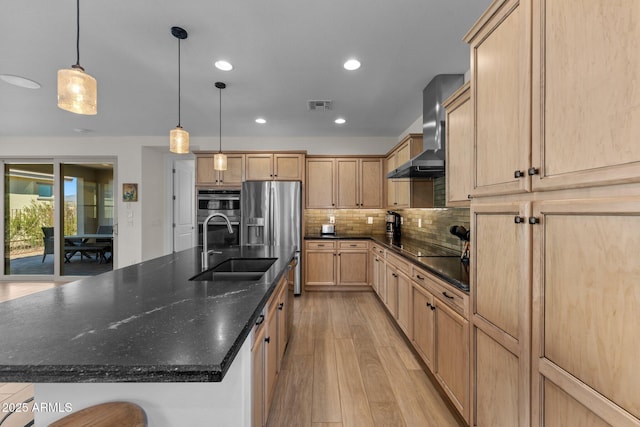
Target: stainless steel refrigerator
(271, 214)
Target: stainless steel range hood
(430, 163)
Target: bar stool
(121, 414)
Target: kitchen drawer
(353, 244)
(399, 263)
(455, 299)
(320, 245)
(378, 250)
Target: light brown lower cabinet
(424, 325)
(343, 264)
(434, 317)
(441, 336)
(269, 343)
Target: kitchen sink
(237, 269)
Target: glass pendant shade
(77, 91)
(220, 162)
(179, 141)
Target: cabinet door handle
(321, 246)
(429, 304)
(275, 175)
(518, 219)
(533, 171)
(469, 196)
(447, 295)
(534, 220)
(339, 254)
(376, 259)
(280, 306)
(433, 307)
(419, 277)
(267, 340)
(260, 320)
(394, 274)
(518, 174)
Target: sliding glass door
(29, 203)
(87, 218)
(59, 218)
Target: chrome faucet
(205, 238)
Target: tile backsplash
(435, 223)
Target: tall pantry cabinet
(555, 213)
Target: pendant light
(178, 137)
(77, 90)
(220, 160)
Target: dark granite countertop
(442, 262)
(142, 323)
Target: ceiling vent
(319, 105)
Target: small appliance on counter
(464, 235)
(393, 220)
(328, 229)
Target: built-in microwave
(226, 202)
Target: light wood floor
(348, 365)
(12, 290)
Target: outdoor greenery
(25, 225)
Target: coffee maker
(393, 220)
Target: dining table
(86, 243)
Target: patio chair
(48, 241)
(106, 245)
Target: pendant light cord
(78, 33)
(220, 150)
(179, 80)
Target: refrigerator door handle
(269, 237)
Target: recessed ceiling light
(340, 121)
(352, 64)
(261, 120)
(223, 65)
(20, 81)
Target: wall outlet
(369, 220)
(332, 219)
(419, 222)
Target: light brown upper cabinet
(274, 166)
(404, 192)
(500, 94)
(344, 182)
(554, 90)
(319, 183)
(459, 146)
(359, 182)
(207, 175)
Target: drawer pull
(353, 245)
(447, 295)
(321, 245)
(260, 320)
(419, 277)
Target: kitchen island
(146, 323)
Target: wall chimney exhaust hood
(430, 163)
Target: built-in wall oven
(221, 201)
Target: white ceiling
(285, 52)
